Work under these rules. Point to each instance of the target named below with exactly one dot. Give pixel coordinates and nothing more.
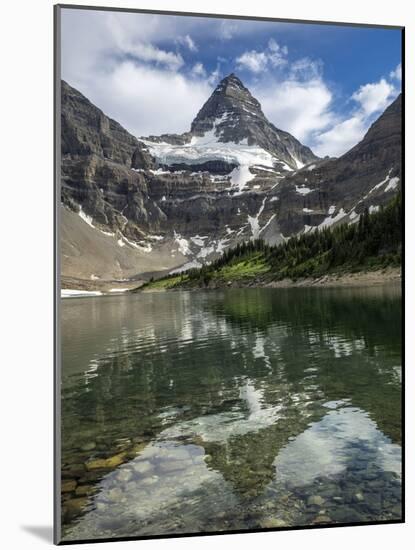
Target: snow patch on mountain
(267, 224)
(143, 246)
(327, 222)
(393, 184)
(221, 245)
(297, 162)
(254, 221)
(194, 264)
(240, 176)
(383, 182)
(87, 219)
(208, 148)
(303, 190)
(206, 251)
(199, 241)
(183, 244)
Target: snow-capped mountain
(135, 207)
(231, 134)
(236, 116)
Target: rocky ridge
(139, 207)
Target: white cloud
(118, 64)
(296, 106)
(374, 97)
(227, 29)
(277, 54)
(198, 70)
(274, 55)
(214, 76)
(188, 41)
(149, 100)
(275, 47)
(302, 104)
(253, 61)
(306, 68)
(149, 53)
(341, 137)
(127, 41)
(396, 73)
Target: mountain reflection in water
(238, 409)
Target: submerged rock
(105, 463)
(272, 523)
(316, 500)
(322, 519)
(88, 446)
(124, 475)
(68, 486)
(115, 494)
(137, 448)
(75, 506)
(84, 490)
(142, 467)
(172, 466)
(73, 471)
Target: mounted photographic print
(228, 274)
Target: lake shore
(390, 275)
(72, 287)
(364, 278)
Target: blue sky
(152, 73)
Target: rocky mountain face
(132, 208)
(338, 190)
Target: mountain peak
(229, 81)
(235, 116)
(231, 86)
(230, 100)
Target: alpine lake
(236, 409)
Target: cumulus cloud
(198, 70)
(150, 100)
(306, 69)
(302, 103)
(396, 73)
(227, 29)
(374, 97)
(214, 75)
(371, 99)
(126, 41)
(341, 137)
(188, 41)
(150, 53)
(296, 106)
(275, 47)
(253, 61)
(274, 55)
(118, 64)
